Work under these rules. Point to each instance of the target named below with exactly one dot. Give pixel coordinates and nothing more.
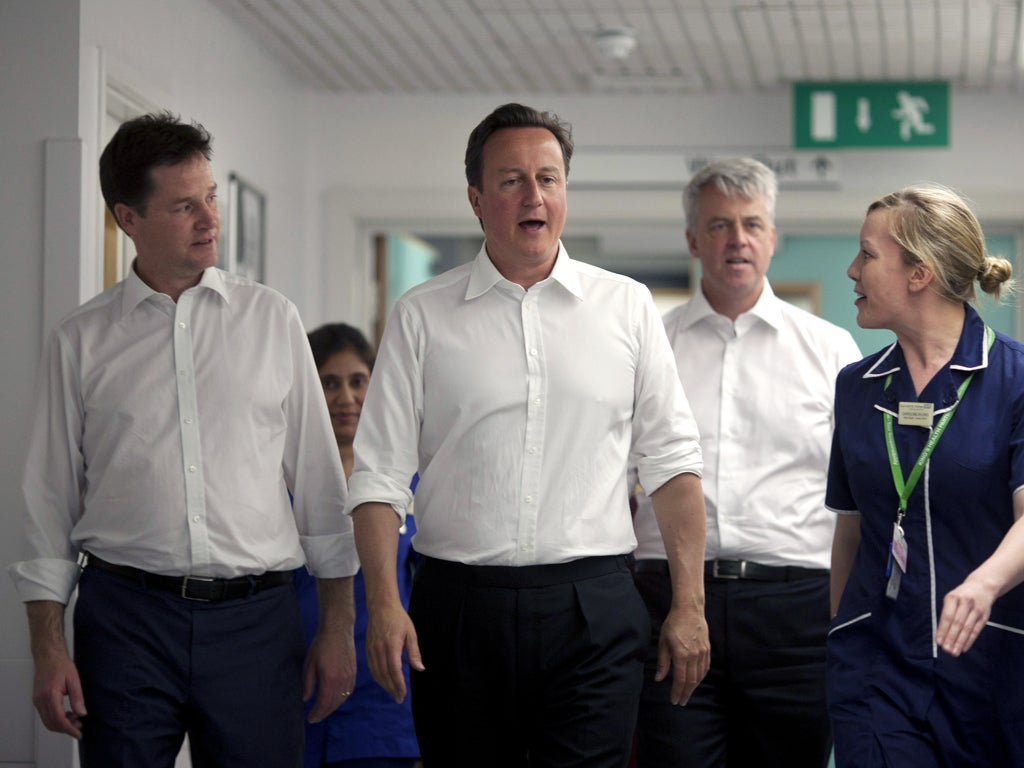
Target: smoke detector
(615, 43)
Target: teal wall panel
(825, 258)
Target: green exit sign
(870, 114)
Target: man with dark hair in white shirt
(177, 412)
(518, 386)
(760, 375)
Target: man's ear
(126, 217)
(474, 199)
(691, 242)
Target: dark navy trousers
(155, 666)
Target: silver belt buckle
(184, 588)
(741, 575)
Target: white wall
(54, 58)
(386, 160)
(39, 91)
(186, 56)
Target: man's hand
(685, 649)
(330, 670)
(684, 646)
(56, 676)
(331, 661)
(390, 632)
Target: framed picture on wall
(246, 235)
(806, 295)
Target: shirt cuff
(331, 557)
(50, 579)
(368, 487)
(655, 473)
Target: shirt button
(181, 324)
(196, 519)
(528, 499)
(192, 468)
(531, 450)
(536, 401)
(533, 352)
(188, 420)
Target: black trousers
(155, 666)
(537, 666)
(763, 701)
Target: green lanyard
(905, 488)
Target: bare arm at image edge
(966, 609)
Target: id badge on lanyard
(898, 550)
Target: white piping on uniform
(931, 553)
(854, 620)
(1015, 630)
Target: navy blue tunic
(894, 696)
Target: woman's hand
(964, 613)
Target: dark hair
(513, 116)
(138, 146)
(333, 338)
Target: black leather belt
(196, 587)
(523, 576)
(729, 570)
(744, 569)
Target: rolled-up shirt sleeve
(53, 480)
(386, 444)
(665, 434)
(313, 468)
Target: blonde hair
(934, 226)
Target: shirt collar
(484, 275)
(766, 309)
(971, 351)
(136, 291)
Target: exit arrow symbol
(863, 115)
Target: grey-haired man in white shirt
(760, 375)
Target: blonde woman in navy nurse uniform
(926, 650)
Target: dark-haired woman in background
(369, 730)
(926, 650)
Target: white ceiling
(449, 47)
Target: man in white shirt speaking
(760, 376)
(176, 413)
(517, 386)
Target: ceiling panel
(549, 47)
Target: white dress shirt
(519, 409)
(762, 389)
(167, 437)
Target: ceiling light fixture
(644, 83)
(615, 43)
